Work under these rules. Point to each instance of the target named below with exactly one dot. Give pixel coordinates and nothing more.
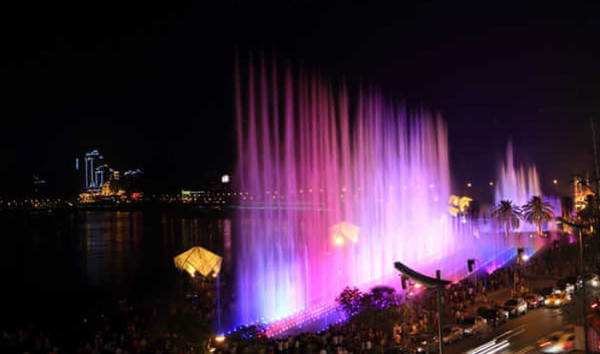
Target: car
(557, 299)
(591, 280)
(534, 300)
(567, 285)
(502, 312)
(557, 342)
(495, 317)
(474, 325)
(452, 334)
(576, 281)
(595, 305)
(516, 307)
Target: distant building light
(469, 184)
(225, 179)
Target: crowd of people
(418, 312)
(162, 326)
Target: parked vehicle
(474, 325)
(452, 334)
(516, 307)
(595, 305)
(591, 280)
(495, 317)
(567, 284)
(503, 312)
(534, 300)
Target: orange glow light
(339, 240)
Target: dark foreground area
(104, 282)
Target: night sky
(151, 86)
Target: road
(520, 335)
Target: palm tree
(536, 211)
(507, 214)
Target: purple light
(306, 165)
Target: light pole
(438, 278)
(583, 292)
(584, 302)
(429, 282)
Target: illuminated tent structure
(345, 229)
(198, 259)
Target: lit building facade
(581, 191)
(101, 182)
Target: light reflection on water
(65, 257)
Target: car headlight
(557, 302)
(547, 301)
(594, 283)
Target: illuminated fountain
(516, 184)
(332, 198)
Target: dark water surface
(55, 266)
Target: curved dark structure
(418, 277)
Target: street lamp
(429, 282)
(579, 228)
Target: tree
(507, 214)
(383, 297)
(350, 301)
(589, 214)
(536, 211)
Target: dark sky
(151, 86)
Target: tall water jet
(516, 183)
(331, 199)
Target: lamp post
(583, 293)
(584, 302)
(440, 314)
(429, 282)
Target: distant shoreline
(150, 206)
